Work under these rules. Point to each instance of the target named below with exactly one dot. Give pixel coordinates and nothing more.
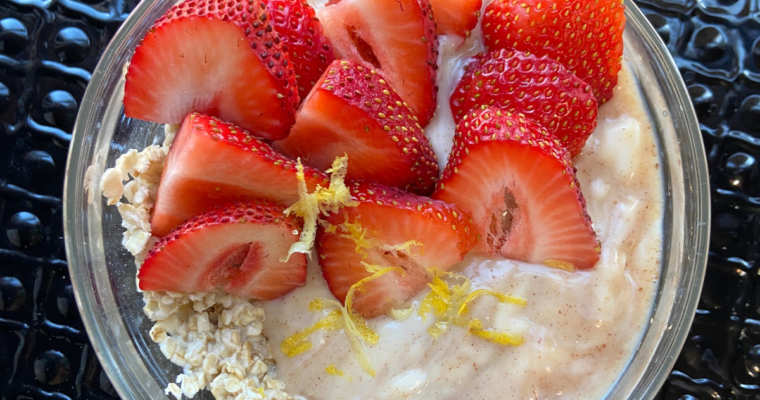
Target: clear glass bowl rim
(654, 358)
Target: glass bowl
(103, 273)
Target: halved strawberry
(235, 248)
(457, 17)
(584, 36)
(390, 228)
(304, 40)
(519, 184)
(212, 163)
(352, 110)
(396, 37)
(538, 87)
(218, 58)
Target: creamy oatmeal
(580, 329)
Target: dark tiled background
(48, 49)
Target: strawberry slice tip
(538, 87)
(520, 186)
(235, 248)
(390, 228)
(458, 17)
(218, 58)
(304, 40)
(396, 37)
(212, 162)
(352, 110)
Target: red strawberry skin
(584, 36)
(519, 185)
(458, 17)
(235, 248)
(406, 54)
(303, 38)
(212, 163)
(218, 58)
(391, 217)
(352, 110)
(537, 87)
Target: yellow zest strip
(320, 304)
(407, 247)
(402, 314)
(358, 235)
(437, 301)
(299, 343)
(438, 329)
(323, 201)
(563, 265)
(354, 324)
(444, 300)
(353, 333)
(367, 334)
(442, 297)
(503, 298)
(344, 321)
(374, 268)
(333, 370)
(476, 328)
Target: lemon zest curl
(322, 201)
(354, 325)
(448, 303)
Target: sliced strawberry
(457, 17)
(235, 248)
(212, 163)
(304, 40)
(519, 184)
(399, 229)
(584, 36)
(538, 87)
(218, 58)
(396, 37)
(352, 110)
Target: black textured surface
(48, 49)
(716, 44)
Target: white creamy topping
(453, 56)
